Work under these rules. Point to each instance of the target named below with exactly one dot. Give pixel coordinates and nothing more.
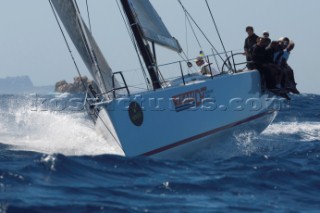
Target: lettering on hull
(190, 99)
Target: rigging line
(135, 47)
(186, 55)
(218, 32)
(187, 38)
(186, 59)
(68, 46)
(88, 45)
(202, 32)
(181, 56)
(97, 114)
(106, 125)
(193, 31)
(88, 12)
(216, 26)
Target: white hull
(215, 137)
(167, 128)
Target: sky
(31, 43)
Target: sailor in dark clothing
(289, 81)
(271, 50)
(259, 52)
(280, 49)
(260, 59)
(271, 74)
(248, 45)
(266, 35)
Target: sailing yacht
(172, 117)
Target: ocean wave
(306, 131)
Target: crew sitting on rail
(281, 59)
(262, 60)
(271, 74)
(205, 68)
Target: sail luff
(85, 31)
(84, 42)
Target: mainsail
(153, 28)
(83, 40)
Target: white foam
(246, 142)
(53, 133)
(307, 131)
(3, 129)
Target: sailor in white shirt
(204, 67)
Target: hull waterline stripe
(205, 134)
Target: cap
(284, 41)
(265, 33)
(199, 58)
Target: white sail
(153, 28)
(83, 40)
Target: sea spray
(67, 133)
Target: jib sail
(83, 40)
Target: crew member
(266, 35)
(271, 74)
(248, 46)
(205, 68)
(289, 81)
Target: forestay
(153, 28)
(84, 42)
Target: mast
(142, 45)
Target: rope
(187, 39)
(199, 28)
(68, 46)
(135, 46)
(114, 137)
(88, 45)
(193, 31)
(88, 12)
(215, 25)
(217, 29)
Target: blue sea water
(52, 160)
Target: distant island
(24, 85)
(21, 85)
